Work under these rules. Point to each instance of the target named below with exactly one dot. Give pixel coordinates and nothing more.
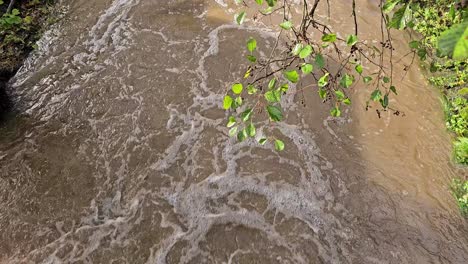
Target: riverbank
(450, 76)
(22, 23)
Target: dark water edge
(43, 15)
(5, 101)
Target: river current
(118, 151)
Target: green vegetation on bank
(460, 191)
(21, 25)
(443, 26)
(443, 44)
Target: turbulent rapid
(118, 152)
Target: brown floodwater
(118, 151)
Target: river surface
(119, 153)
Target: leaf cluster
(303, 66)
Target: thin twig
(10, 6)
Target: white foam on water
(221, 3)
(114, 23)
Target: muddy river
(118, 152)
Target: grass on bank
(460, 191)
(451, 76)
(20, 27)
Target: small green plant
(457, 115)
(460, 191)
(21, 25)
(461, 150)
(9, 20)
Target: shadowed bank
(5, 103)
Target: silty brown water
(119, 152)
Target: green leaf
(259, 2)
(237, 88)
(227, 102)
(352, 40)
(284, 87)
(297, 48)
(329, 38)
(231, 121)
(323, 81)
(305, 52)
(247, 73)
(240, 17)
(279, 145)
(251, 131)
(251, 44)
(273, 96)
(384, 102)
(274, 113)
(292, 76)
(15, 12)
(245, 116)
(307, 68)
(386, 79)
(393, 89)
(28, 19)
(11, 19)
(242, 135)
(319, 61)
(335, 111)
(340, 95)
(238, 101)
(452, 13)
(463, 91)
(271, 3)
(367, 79)
(251, 89)
(287, 25)
(252, 58)
(461, 49)
(262, 141)
(422, 54)
(414, 44)
(433, 67)
(454, 41)
(358, 68)
(347, 101)
(389, 5)
(347, 80)
(322, 93)
(402, 17)
(267, 10)
(272, 83)
(376, 95)
(232, 131)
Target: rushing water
(119, 153)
